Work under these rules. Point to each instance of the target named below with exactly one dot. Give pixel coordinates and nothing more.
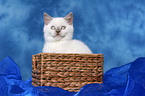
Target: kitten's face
(56, 29)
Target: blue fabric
(127, 80)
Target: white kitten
(58, 33)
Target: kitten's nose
(57, 31)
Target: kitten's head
(56, 29)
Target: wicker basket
(67, 71)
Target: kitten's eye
(63, 27)
(53, 27)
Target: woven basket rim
(71, 54)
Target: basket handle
(35, 65)
(34, 62)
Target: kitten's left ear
(69, 18)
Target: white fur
(64, 42)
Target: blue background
(115, 28)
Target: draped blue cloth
(127, 80)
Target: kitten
(58, 33)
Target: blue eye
(53, 27)
(63, 27)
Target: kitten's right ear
(47, 18)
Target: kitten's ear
(47, 18)
(69, 18)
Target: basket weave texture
(67, 71)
